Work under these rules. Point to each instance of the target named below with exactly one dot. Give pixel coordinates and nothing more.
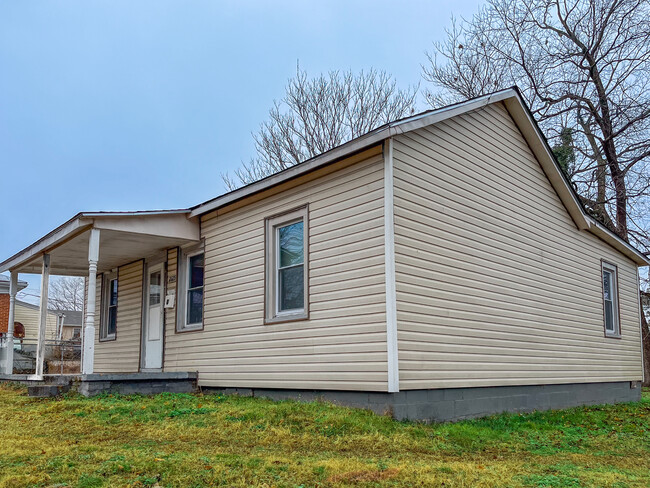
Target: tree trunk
(645, 334)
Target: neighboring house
(440, 266)
(4, 301)
(25, 313)
(70, 323)
(28, 315)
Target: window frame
(183, 289)
(612, 269)
(272, 314)
(107, 278)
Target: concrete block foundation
(453, 404)
(136, 383)
(98, 383)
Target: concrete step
(47, 391)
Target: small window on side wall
(287, 267)
(190, 306)
(610, 300)
(108, 327)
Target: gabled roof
(520, 113)
(72, 317)
(34, 307)
(510, 97)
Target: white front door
(153, 327)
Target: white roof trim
(513, 102)
(355, 145)
(76, 225)
(520, 114)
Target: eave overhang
(138, 233)
(524, 120)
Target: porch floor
(97, 383)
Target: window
(190, 311)
(155, 288)
(286, 267)
(108, 328)
(610, 300)
(194, 290)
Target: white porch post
(88, 358)
(45, 284)
(13, 289)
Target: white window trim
(183, 287)
(613, 270)
(272, 313)
(103, 326)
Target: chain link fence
(59, 357)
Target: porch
(96, 246)
(99, 383)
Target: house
(439, 267)
(25, 313)
(70, 324)
(5, 298)
(26, 325)
(28, 315)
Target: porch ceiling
(124, 238)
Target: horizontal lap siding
(31, 318)
(172, 276)
(343, 344)
(123, 354)
(495, 285)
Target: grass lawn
(195, 441)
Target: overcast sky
(127, 105)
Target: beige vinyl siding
(68, 332)
(30, 317)
(495, 284)
(343, 343)
(122, 355)
(171, 287)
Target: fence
(59, 357)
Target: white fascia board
(175, 225)
(75, 225)
(353, 146)
(426, 119)
(85, 220)
(542, 152)
(617, 243)
(340, 152)
(136, 213)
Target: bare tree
(582, 65)
(584, 69)
(318, 114)
(66, 293)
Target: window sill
(108, 339)
(193, 328)
(280, 319)
(611, 335)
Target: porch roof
(124, 237)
